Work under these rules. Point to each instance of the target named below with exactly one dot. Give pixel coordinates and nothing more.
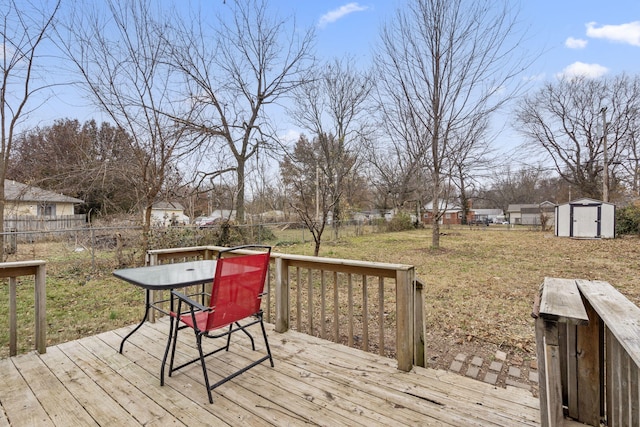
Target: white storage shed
(586, 218)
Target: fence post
(93, 249)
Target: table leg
(147, 304)
(166, 350)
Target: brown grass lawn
(480, 284)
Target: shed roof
(586, 201)
(17, 191)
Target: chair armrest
(193, 303)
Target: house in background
(532, 214)
(30, 208)
(164, 214)
(451, 213)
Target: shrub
(628, 220)
(400, 222)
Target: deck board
(314, 382)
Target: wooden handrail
(13, 270)
(320, 282)
(592, 369)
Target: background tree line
(192, 101)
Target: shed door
(586, 221)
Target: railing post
(41, 308)
(419, 325)
(282, 295)
(553, 384)
(590, 375)
(13, 317)
(404, 321)
(542, 371)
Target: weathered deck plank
(314, 382)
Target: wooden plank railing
(13, 270)
(589, 371)
(361, 304)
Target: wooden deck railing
(370, 305)
(588, 341)
(13, 270)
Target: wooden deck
(314, 382)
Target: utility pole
(605, 178)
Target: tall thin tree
(233, 73)
(442, 64)
(121, 52)
(24, 27)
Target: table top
(169, 276)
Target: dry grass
(479, 286)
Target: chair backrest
(237, 288)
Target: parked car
(205, 221)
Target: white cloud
(580, 69)
(291, 136)
(341, 12)
(573, 43)
(623, 33)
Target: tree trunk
(2, 205)
(435, 235)
(146, 231)
(239, 205)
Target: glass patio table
(165, 277)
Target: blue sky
(568, 37)
(588, 37)
(585, 37)
(596, 38)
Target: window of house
(46, 209)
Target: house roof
(487, 211)
(444, 206)
(16, 191)
(168, 205)
(535, 206)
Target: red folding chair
(238, 287)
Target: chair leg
(266, 342)
(229, 337)
(204, 367)
(253, 344)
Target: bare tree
(565, 121)
(122, 55)
(24, 28)
(333, 105)
(469, 161)
(233, 73)
(523, 186)
(442, 65)
(307, 174)
(395, 178)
